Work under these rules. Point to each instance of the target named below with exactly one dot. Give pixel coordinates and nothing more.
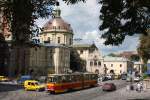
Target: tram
(58, 83)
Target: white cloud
(84, 19)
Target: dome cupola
(57, 24)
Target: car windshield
(36, 83)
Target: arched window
(58, 39)
(99, 63)
(91, 63)
(95, 63)
(97, 71)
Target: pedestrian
(139, 86)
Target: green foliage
(123, 17)
(144, 69)
(134, 58)
(76, 63)
(145, 76)
(21, 15)
(73, 1)
(144, 48)
(112, 55)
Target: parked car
(137, 78)
(23, 78)
(110, 77)
(33, 85)
(123, 76)
(102, 78)
(4, 79)
(109, 87)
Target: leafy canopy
(144, 48)
(123, 17)
(22, 14)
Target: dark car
(109, 87)
(124, 76)
(23, 78)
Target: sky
(84, 20)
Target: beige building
(53, 58)
(92, 56)
(118, 65)
(51, 55)
(40, 60)
(58, 34)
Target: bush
(145, 76)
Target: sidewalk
(124, 94)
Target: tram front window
(52, 79)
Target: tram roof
(75, 73)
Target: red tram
(57, 83)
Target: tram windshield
(54, 79)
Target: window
(120, 71)
(54, 27)
(104, 65)
(91, 63)
(59, 27)
(99, 63)
(81, 51)
(111, 65)
(58, 39)
(120, 65)
(49, 39)
(95, 63)
(29, 83)
(70, 42)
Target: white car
(109, 77)
(136, 79)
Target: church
(51, 54)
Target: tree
(112, 55)
(144, 48)
(134, 58)
(123, 17)
(76, 63)
(21, 16)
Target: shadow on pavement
(9, 87)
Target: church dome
(57, 24)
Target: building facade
(40, 60)
(58, 36)
(57, 31)
(50, 55)
(117, 65)
(92, 56)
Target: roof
(84, 46)
(57, 24)
(116, 59)
(53, 45)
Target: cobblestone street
(95, 93)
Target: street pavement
(96, 93)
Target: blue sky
(84, 19)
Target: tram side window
(52, 79)
(74, 78)
(63, 78)
(69, 78)
(93, 77)
(87, 77)
(78, 77)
